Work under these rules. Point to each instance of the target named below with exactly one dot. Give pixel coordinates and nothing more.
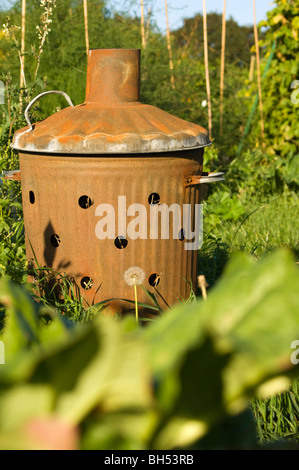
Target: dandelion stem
(136, 303)
(134, 277)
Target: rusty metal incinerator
(110, 188)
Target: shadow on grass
(212, 258)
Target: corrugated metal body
(53, 212)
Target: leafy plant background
(207, 374)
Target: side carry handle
(204, 178)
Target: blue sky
(240, 10)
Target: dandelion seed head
(134, 276)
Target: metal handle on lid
(68, 99)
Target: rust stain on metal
(111, 120)
(112, 145)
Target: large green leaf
(28, 334)
(220, 352)
(175, 379)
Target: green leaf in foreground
(223, 350)
(164, 386)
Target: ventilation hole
(120, 242)
(55, 240)
(154, 279)
(153, 199)
(85, 202)
(31, 197)
(86, 282)
(181, 235)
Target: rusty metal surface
(111, 146)
(61, 230)
(38, 97)
(111, 120)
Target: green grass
(266, 224)
(277, 417)
(274, 223)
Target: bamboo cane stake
(202, 284)
(251, 69)
(205, 33)
(222, 64)
(22, 57)
(169, 45)
(148, 24)
(142, 24)
(256, 39)
(86, 25)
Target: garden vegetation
(214, 371)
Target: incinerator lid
(111, 120)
